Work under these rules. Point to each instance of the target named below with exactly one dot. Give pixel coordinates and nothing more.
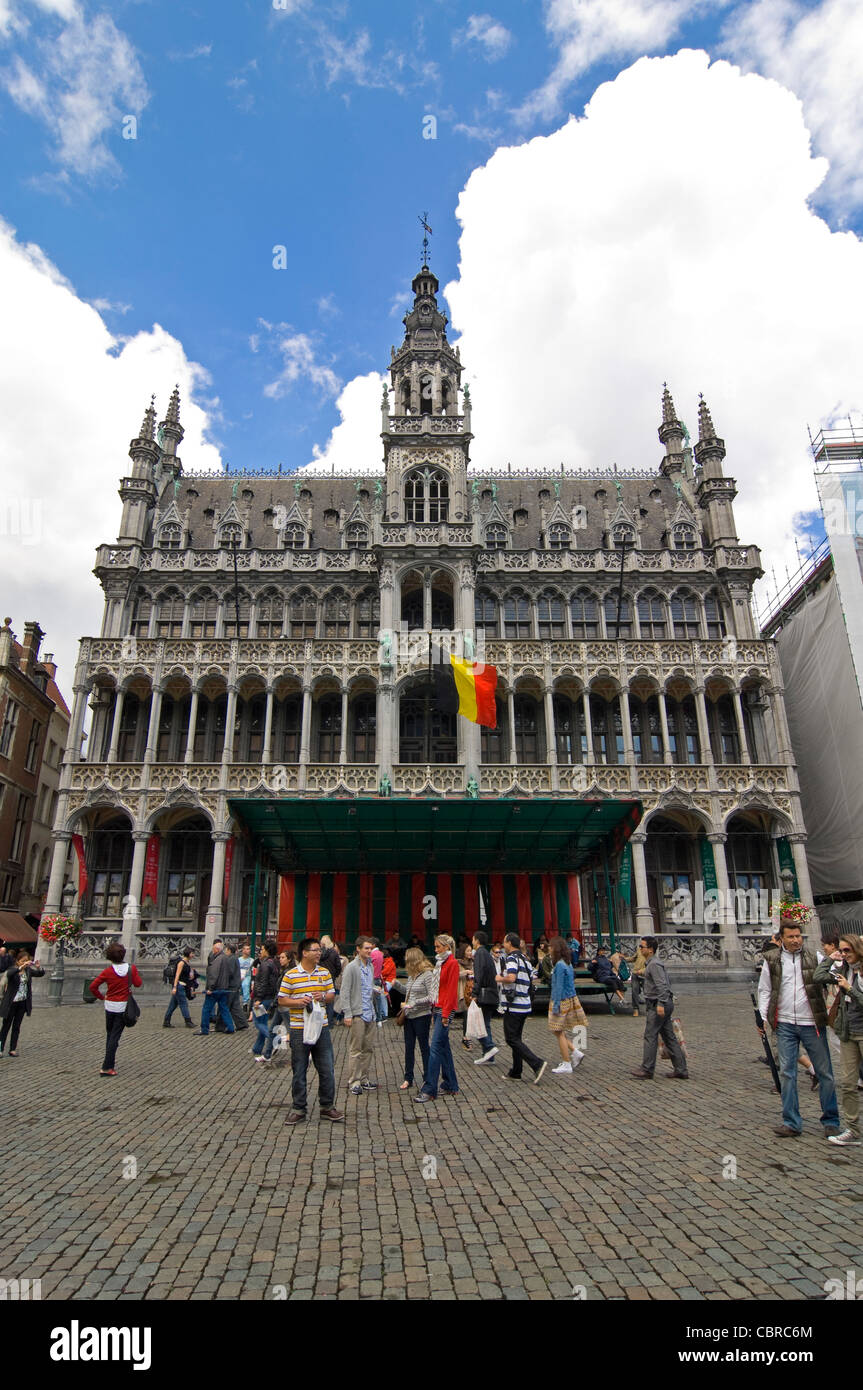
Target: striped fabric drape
(344, 906)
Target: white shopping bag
(313, 1023)
(476, 1028)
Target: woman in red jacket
(445, 995)
(118, 979)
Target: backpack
(171, 969)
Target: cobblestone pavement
(228, 1202)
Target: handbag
(400, 1017)
(132, 1012)
(87, 994)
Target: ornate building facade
(262, 669)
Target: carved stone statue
(385, 787)
(472, 788)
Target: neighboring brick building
(33, 718)
(262, 697)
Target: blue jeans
(221, 997)
(488, 1012)
(790, 1037)
(321, 1054)
(178, 1001)
(264, 1040)
(416, 1031)
(440, 1059)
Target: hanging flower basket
(59, 927)
(794, 912)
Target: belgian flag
(467, 688)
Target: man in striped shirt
(515, 988)
(306, 984)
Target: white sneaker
(577, 1057)
(565, 1067)
(486, 1057)
(846, 1137)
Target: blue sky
(303, 126)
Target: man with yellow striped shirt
(306, 984)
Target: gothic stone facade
(256, 641)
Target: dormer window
(357, 537)
(426, 495)
(559, 537)
(295, 537)
(495, 536)
(230, 536)
(622, 536)
(169, 537)
(683, 537)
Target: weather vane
(423, 218)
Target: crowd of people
(809, 1002)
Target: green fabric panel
(537, 909)
(379, 907)
(561, 888)
(326, 916)
(457, 905)
(510, 903)
(431, 887)
(405, 901)
(301, 902)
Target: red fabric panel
(313, 911)
(392, 909)
(365, 905)
(485, 681)
(340, 905)
(286, 909)
(525, 920)
(548, 907)
(471, 905)
(574, 909)
(498, 917)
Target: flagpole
(428, 705)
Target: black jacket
(332, 961)
(266, 985)
(218, 972)
(485, 990)
(234, 975)
(13, 979)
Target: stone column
(230, 726)
(215, 911)
(54, 896)
(384, 725)
(76, 724)
(153, 726)
(703, 727)
(663, 723)
(550, 739)
(644, 923)
(343, 738)
(132, 906)
(727, 922)
(626, 725)
(189, 756)
(267, 756)
(115, 727)
(588, 725)
(780, 725)
(510, 714)
(741, 728)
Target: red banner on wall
(78, 845)
(151, 870)
(229, 859)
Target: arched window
(173, 727)
(684, 615)
(141, 610)
(337, 614)
(683, 730)
(683, 537)
(622, 535)
(406, 397)
(713, 616)
(251, 721)
(134, 724)
(169, 618)
(232, 602)
(368, 614)
(493, 744)
(413, 614)
(169, 537)
(559, 536)
(271, 614)
(295, 536)
(516, 615)
(584, 611)
(550, 613)
(203, 611)
(443, 611)
(229, 536)
(425, 732)
(495, 536)
(607, 729)
(210, 729)
(303, 614)
(722, 723)
(527, 730)
(109, 855)
(613, 628)
(329, 740)
(287, 730)
(569, 736)
(445, 396)
(646, 729)
(426, 395)
(363, 722)
(358, 536)
(426, 495)
(652, 621)
(485, 612)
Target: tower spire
(710, 449)
(148, 424)
(671, 435)
(171, 434)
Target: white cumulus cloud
(355, 445)
(74, 394)
(492, 37)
